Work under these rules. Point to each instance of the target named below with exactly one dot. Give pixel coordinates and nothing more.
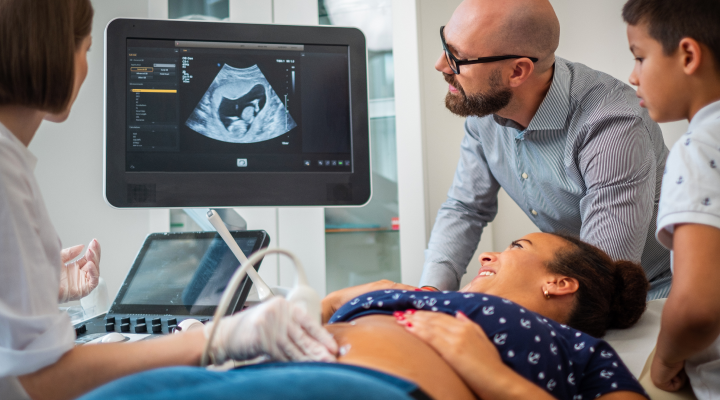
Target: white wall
(592, 32)
(69, 169)
(410, 146)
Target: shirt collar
(710, 111)
(554, 109)
(28, 157)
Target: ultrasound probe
(262, 288)
(302, 294)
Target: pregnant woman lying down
(525, 327)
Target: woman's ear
(562, 285)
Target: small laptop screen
(184, 273)
(187, 272)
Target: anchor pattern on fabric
(500, 338)
(562, 360)
(691, 189)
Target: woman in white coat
(44, 45)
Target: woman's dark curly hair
(611, 294)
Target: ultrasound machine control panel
(176, 276)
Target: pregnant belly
(378, 342)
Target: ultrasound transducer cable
(302, 294)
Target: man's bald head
(520, 27)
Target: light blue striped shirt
(590, 164)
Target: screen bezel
(231, 189)
(262, 241)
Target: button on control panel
(152, 324)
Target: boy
(676, 45)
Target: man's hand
(80, 277)
(670, 377)
(336, 299)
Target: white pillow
(635, 344)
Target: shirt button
(533, 212)
(524, 175)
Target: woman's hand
(669, 377)
(80, 277)
(454, 338)
(336, 299)
(466, 347)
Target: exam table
(636, 347)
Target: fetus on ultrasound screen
(240, 106)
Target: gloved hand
(80, 277)
(277, 328)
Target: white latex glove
(277, 328)
(80, 277)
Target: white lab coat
(33, 332)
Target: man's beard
(479, 104)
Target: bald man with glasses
(570, 145)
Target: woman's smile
(486, 272)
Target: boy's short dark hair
(671, 20)
(38, 39)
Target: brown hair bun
(611, 295)
(629, 301)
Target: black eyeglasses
(455, 63)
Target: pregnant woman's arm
(465, 347)
(336, 299)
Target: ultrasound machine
(217, 114)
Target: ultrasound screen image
(240, 106)
(237, 107)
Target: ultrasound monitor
(216, 114)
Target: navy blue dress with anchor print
(567, 363)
